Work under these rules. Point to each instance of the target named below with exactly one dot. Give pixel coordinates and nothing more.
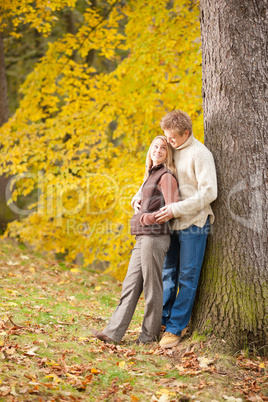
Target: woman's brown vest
(151, 200)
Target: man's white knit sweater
(197, 185)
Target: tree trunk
(3, 86)
(6, 215)
(91, 54)
(232, 296)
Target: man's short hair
(178, 121)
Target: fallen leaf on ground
(163, 398)
(180, 368)
(166, 392)
(232, 398)
(95, 371)
(75, 270)
(254, 398)
(204, 362)
(31, 352)
(10, 351)
(133, 398)
(55, 378)
(4, 391)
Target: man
(193, 215)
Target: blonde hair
(169, 162)
(177, 121)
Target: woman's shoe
(101, 336)
(139, 342)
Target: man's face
(175, 139)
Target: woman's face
(158, 151)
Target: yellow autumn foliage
(80, 137)
(38, 14)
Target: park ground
(48, 353)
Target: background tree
(232, 300)
(26, 43)
(22, 45)
(6, 214)
(81, 131)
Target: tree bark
(4, 112)
(6, 214)
(232, 296)
(91, 54)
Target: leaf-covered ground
(47, 310)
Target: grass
(48, 353)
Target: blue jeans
(181, 270)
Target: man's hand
(165, 214)
(137, 205)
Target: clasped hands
(164, 214)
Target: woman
(144, 273)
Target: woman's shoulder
(168, 176)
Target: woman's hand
(137, 205)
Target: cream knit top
(197, 185)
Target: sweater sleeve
(169, 187)
(137, 196)
(207, 187)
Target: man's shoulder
(200, 148)
(199, 144)
(195, 149)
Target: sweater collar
(188, 142)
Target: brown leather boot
(101, 336)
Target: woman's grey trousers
(144, 274)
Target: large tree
(232, 300)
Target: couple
(165, 260)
